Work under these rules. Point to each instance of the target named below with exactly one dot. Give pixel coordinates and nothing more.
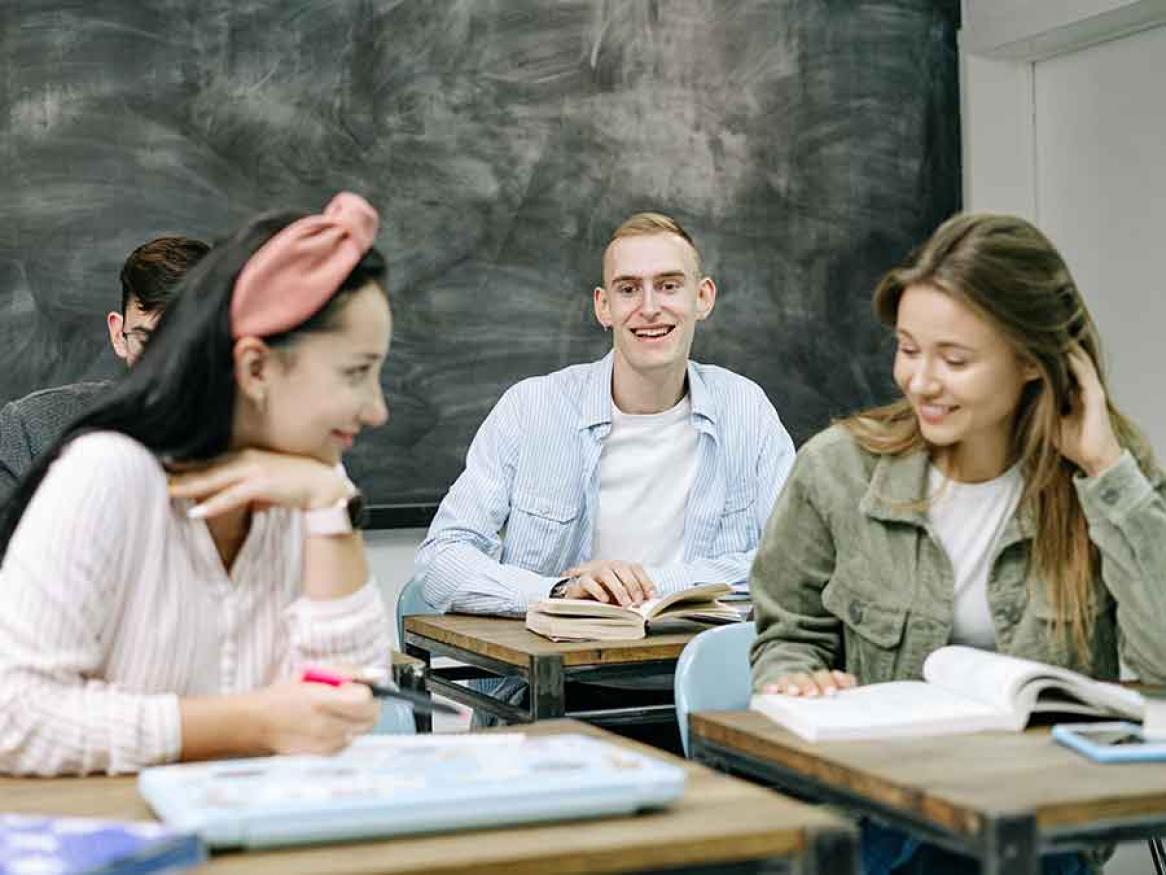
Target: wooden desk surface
(952, 780)
(509, 641)
(718, 820)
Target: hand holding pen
(417, 701)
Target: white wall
(1064, 122)
(390, 553)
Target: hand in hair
(819, 683)
(258, 479)
(1086, 436)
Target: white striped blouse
(113, 604)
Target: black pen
(418, 701)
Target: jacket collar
(596, 409)
(899, 485)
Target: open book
(587, 620)
(964, 690)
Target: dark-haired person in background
(149, 277)
(186, 548)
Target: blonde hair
(644, 224)
(1012, 276)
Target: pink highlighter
(418, 701)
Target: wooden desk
(1003, 797)
(719, 822)
(499, 647)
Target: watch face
(357, 510)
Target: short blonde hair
(644, 224)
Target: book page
(888, 710)
(585, 608)
(706, 592)
(1021, 686)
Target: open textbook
(964, 690)
(588, 620)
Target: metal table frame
(1009, 843)
(547, 678)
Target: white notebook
(385, 785)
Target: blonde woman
(1003, 502)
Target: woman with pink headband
(188, 547)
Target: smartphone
(1113, 742)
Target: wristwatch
(341, 518)
(560, 587)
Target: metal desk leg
(1010, 845)
(422, 721)
(830, 852)
(547, 687)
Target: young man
(149, 277)
(636, 475)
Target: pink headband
(291, 275)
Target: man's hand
(609, 580)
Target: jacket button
(1109, 496)
(855, 612)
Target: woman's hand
(820, 683)
(260, 479)
(1086, 435)
(298, 717)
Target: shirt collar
(898, 488)
(597, 402)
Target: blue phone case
(1072, 735)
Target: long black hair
(179, 399)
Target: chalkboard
(807, 146)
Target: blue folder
(385, 785)
(1111, 742)
(84, 846)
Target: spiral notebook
(385, 785)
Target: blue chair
(411, 603)
(713, 674)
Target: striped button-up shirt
(524, 509)
(114, 603)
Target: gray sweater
(30, 425)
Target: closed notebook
(589, 620)
(963, 690)
(35, 845)
(387, 785)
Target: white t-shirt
(969, 520)
(646, 470)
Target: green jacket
(849, 575)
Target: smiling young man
(149, 278)
(637, 475)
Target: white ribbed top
(113, 604)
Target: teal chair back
(713, 673)
(410, 604)
(397, 717)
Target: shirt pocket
(737, 528)
(873, 627)
(541, 531)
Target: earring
(261, 401)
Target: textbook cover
(33, 845)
